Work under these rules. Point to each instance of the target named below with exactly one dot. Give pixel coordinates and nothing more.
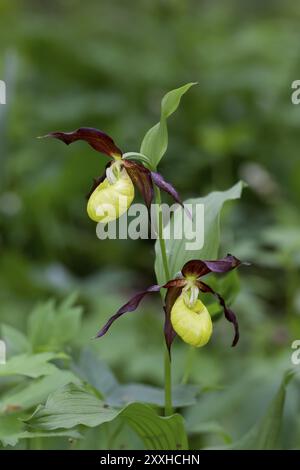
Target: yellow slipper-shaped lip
(110, 200)
(192, 324)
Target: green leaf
(155, 142)
(30, 365)
(95, 372)
(33, 435)
(35, 392)
(72, 406)
(265, 434)
(177, 253)
(183, 395)
(157, 433)
(12, 430)
(211, 427)
(16, 342)
(50, 327)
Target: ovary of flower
(111, 198)
(192, 324)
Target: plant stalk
(167, 360)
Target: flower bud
(112, 197)
(193, 324)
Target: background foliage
(107, 64)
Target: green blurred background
(107, 64)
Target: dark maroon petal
(223, 265)
(169, 331)
(159, 180)
(229, 314)
(128, 307)
(199, 268)
(141, 177)
(97, 181)
(172, 294)
(95, 138)
(175, 283)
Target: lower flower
(192, 323)
(185, 314)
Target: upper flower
(185, 313)
(113, 192)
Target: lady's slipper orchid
(113, 192)
(185, 314)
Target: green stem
(161, 239)
(167, 361)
